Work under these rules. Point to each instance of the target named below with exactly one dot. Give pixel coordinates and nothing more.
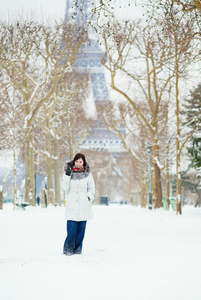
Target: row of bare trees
(149, 65)
(42, 99)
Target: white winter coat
(80, 189)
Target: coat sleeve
(66, 182)
(90, 187)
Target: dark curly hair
(77, 156)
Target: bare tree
(41, 56)
(147, 83)
(11, 124)
(135, 140)
(65, 125)
(181, 32)
(189, 5)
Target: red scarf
(75, 169)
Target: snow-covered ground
(128, 253)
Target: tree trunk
(56, 173)
(178, 155)
(178, 172)
(157, 187)
(43, 197)
(167, 185)
(70, 146)
(198, 200)
(50, 189)
(179, 210)
(1, 197)
(157, 190)
(167, 165)
(15, 174)
(98, 187)
(143, 193)
(144, 189)
(29, 166)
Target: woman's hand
(68, 172)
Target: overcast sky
(54, 9)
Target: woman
(79, 183)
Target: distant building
(79, 12)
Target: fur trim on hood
(77, 175)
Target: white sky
(54, 9)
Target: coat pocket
(84, 202)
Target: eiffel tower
(79, 12)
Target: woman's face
(79, 163)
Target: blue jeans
(75, 236)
